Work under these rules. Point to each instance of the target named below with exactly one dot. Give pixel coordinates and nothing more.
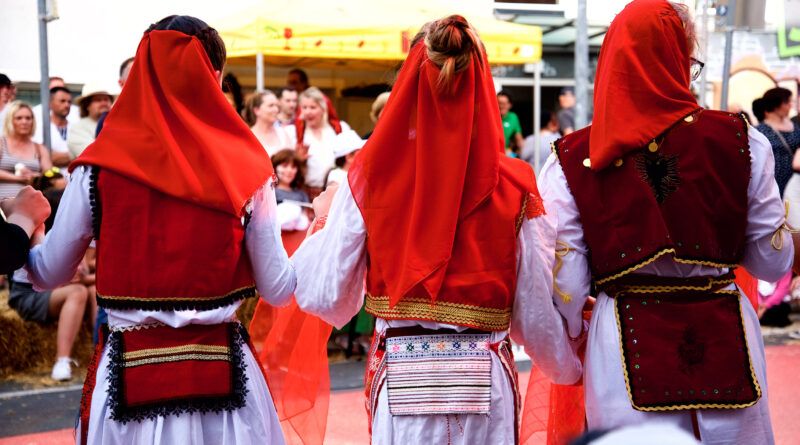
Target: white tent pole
(259, 71)
(537, 112)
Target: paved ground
(46, 417)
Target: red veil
(173, 130)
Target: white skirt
(256, 423)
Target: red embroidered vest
(156, 252)
(481, 278)
(685, 194)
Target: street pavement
(47, 417)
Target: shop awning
(361, 34)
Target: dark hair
(289, 156)
(505, 94)
(758, 109)
(230, 84)
(55, 90)
(192, 26)
(544, 118)
(4, 81)
(775, 97)
(566, 90)
(125, 64)
(287, 89)
(301, 74)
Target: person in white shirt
(93, 101)
(60, 106)
(316, 136)
(261, 114)
(348, 143)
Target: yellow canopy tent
(360, 34)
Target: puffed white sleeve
(766, 215)
(536, 322)
(273, 272)
(55, 261)
(331, 264)
(573, 277)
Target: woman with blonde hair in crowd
(261, 113)
(315, 132)
(377, 110)
(21, 159)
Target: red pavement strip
(347, 422)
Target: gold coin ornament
(653, 147)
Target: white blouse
(331, 267)
(54, 262)
(607, 403)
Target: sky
(92, 37)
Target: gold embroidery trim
(440, 311)
(214, 349)
(176, 358)
(562, 250)
(662, 289)
(657, 256)
(218, 297)
(521, 217)
(693, 405)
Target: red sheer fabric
(553, 414)
(433, 158)
(749, 285)
(292, 348)
(173, 130)
(642, 83)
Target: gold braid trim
(521, 217)
(177, 358)
(562, 249)
(489, 319)
(696, 405)
(777, 236)
(712, 282)
(218, 297)
(657, 256)
(176, 350)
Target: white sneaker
(62, 370)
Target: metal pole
(726, 66)
(44, 83)
(537, 113)
(581, 67)
(704, 36)
(259, 72)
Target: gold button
(587, 163)
(689, 118)
(618, 163)
(653, 147)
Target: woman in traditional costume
(658, 202)
(453, 240)
(179, 195)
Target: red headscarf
(173, 130)
(433, 158)
(642, 82)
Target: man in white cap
(347, 145)
(93, 102)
